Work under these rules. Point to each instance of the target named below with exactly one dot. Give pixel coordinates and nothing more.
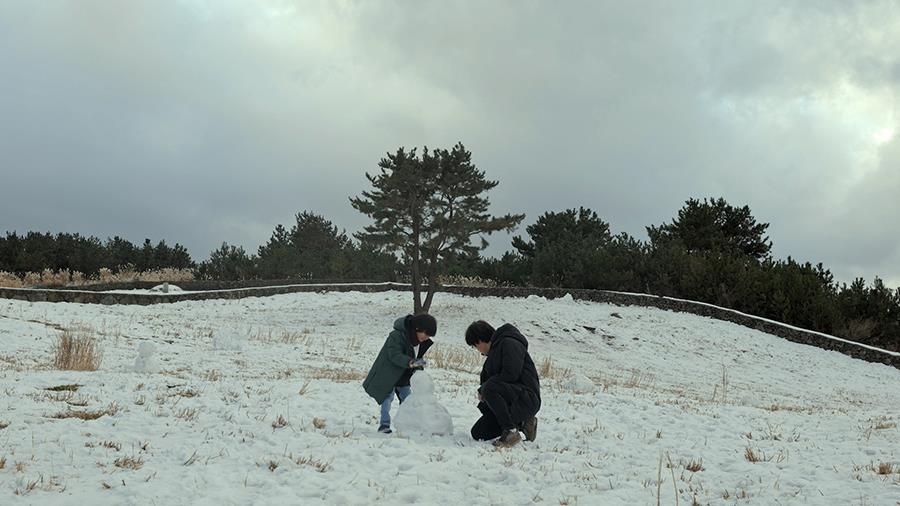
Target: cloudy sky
(200, 122)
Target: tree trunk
(428, 297)
(417, 288)
(416, 272)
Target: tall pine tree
(429, 209)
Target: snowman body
(421, 414)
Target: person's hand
(417, 364)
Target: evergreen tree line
(313, 249)
(710, 252)
(35, 252)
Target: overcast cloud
(200, 122)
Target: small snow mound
(566, 298)
(166, 288)
(225, 340)
(578, 383)
(535, 298)
(145, 361)
(421, 414)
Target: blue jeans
(402, 393)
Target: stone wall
(623, 299)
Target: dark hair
(425, 323)
(479, 331)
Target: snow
(259, 401)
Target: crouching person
(400, 355)
(510, 392)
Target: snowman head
(420, 384)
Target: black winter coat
(508, 361)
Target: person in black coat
(510, 392)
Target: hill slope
(259, 400)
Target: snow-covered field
(259, 401)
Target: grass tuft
(187, 414)
(64, 388)
(279, 422)
(547, 369)
(318, 423)
(319, 465)
(694, 466)
(77, 351)
(110, 410)
(129, 463)
(758, 456)
(340, 375)
(113, 445)
(884, 468)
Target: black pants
(505, 406)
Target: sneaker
(384, 429)
(530, 429)
(509, 437)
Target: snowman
(145, 361)
(421, 413)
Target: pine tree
(713, 226)
(429, 209)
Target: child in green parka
(400, 356)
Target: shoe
(509, 437)
(384, 429)
(530, 429)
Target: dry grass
(112, 445)
(129, 463)
(124, 274)
(77, 350)
(187, 392)
(3, 425)
(751, 455)
(110, 410)
(741, 494)
(282, 336)
(2, 462)
(454, 358)
(694, 466)
(757, 456)
(304, 389)
(882, 423)
(884, 468)
(340, 375)
(319, 465)
(211, 375)
(187, 414)
(279, 422)
(547, 369)
(64, 388)
(10, 280)
(318, 423)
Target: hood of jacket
(400, 323)
(508, 331)
(404, 326)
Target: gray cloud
(203, 122)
